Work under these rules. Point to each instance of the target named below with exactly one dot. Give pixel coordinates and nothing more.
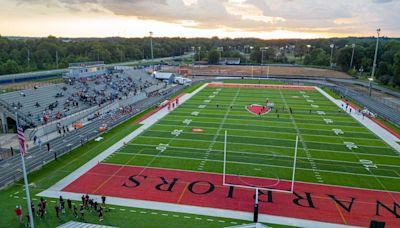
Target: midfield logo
(257, 109)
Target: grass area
(396, 89)
(266, 142)
(8, 90)
(56, 79)
(331, 93)
(193, 87)
(119, 216)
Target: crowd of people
(80, 93)
(64, 207)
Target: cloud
(335, 16)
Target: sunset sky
(200, 18)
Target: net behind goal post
(267, 183)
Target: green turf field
(117, 216)
(263, 146)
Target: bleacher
(52, 102)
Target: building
(229, 61)
(166, 77)
(86, 69)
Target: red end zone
(309, 201)
(261, 86)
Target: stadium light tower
(332, 47)
(374, 66)
(352, 55)
(263, 49)
(151, 45)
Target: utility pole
(374, 66)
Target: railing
(43, 157)
(27, 120)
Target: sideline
(378, 130)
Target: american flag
(21, 137)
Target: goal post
(258, 188)
(225, 174)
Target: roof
(163, 75)
(86, 64)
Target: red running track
(289, 87)
(310, 201)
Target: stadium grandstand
(78, 100)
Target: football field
(262, 125)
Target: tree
(396, 69)
(255, 55)
(213, 56)
(343, 57)
(9, 67)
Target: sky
(266, 19)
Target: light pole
(263, 49)
(352, 55)
(374, 66)
(220, 50)
(199, 53)
(332, 46)
(151, 46)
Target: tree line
(31, 54)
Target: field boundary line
(276, 166)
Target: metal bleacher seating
(100, 90)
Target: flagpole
(28, 197)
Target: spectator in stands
(37, 104)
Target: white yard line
(285, 133)
(283, 139)
(211, 146)
(257, 125)
(273, 146)
(314, 167)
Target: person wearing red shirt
(18, 212)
